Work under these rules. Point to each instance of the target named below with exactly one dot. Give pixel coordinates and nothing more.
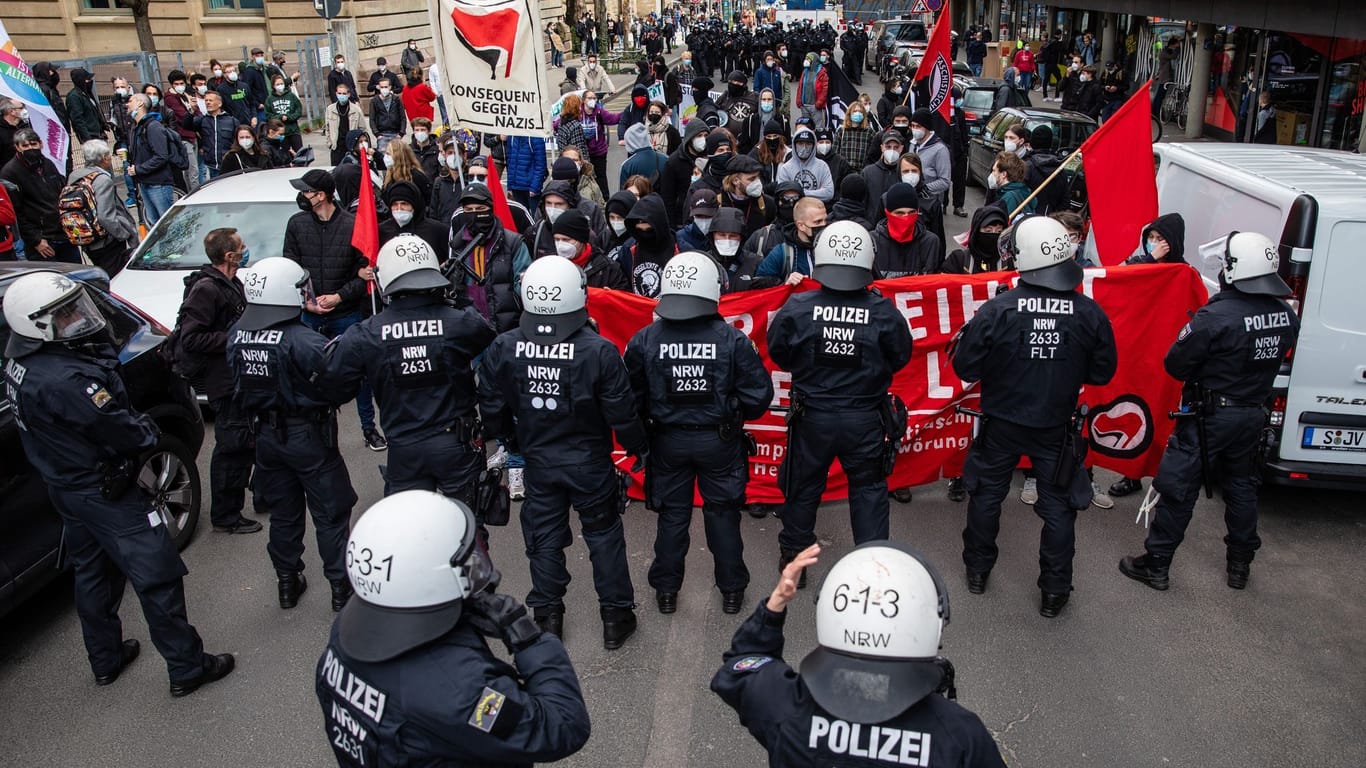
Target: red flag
(937, 65)
(500, 200)
(365, 235)
(1121, 183)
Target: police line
(1128, 426)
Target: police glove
(502, 616)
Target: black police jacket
(842, 347)
(73, 412)
(566, 398)
(1235, 344)
(778, 710)
(418, 357)
(272, 368)
(452, 703)
(701, 372)
(1032, 349)
(212, 303)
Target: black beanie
(923, 117)
(573, 224)
(901, 195)
(703, 83)
(564, 169)
(1041, 138)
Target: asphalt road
(1197, 676)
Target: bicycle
(1174, 107)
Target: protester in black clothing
(852, 203)
(981, 254)
(37, 186)
(408, 215)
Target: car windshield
(1066, 134)
(178, 240)
(978, 98)
(910, 33)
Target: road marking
(676, 688)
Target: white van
(1313, 201)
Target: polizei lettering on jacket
(856, 315)
(1044, 305)
(366, 698)
(258, 337)
(1267, 321)
(687, 351)
(411, 329)
(562, 351)
(890, 745)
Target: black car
(1070, 130)
(978, 96)
(30, 529)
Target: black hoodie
(648, 257)
(677, 175)
(435, 233)
(619, 246)
(981, 254)
(1173, 229)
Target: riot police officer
(698, 379)
(417, 356)
(1228, 355)
(842, 343)
(82, 436)
(879, 618)
(554, 390)
(273, 356)
(407, 677)
(1032, 348)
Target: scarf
(659, 135)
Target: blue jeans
(333, 326)
(441, 102)
(156, 200)
(556, 57)
(1025, 79)
(976, 69)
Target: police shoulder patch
(750, 663)
(98, 394)
(487, 709)
(1185, 331)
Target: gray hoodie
(812, 174)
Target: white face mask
(727, 247)
(385, 91)
(918, 134)
(246, 143)
(700, 163)
(911, 178)
(180, 89)
(993, 182)
(592, 66)
(1086, 78)
(452, 160)
(567, 250)
(699, 144)
(1012, 145)
(898, 90)
(703, 224)
(232, 77)
(402, 218)
(217, 72)
(590, 103)
(618, 226)
(421, 136)
(824, 148)
(755, 188)
(554, 213)
(121, 91)
(890, 156)
(279, 87)
(201, 89)
(340, 66)
(388, 161)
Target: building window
(250, 7)
(104, 6)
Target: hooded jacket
(742, 116)
(1038, 167)
(981, 254)
(429, 230)
(879, 177)
(739, 268)
(677, 175)
(493, 291)
(852, 204)
(812, 173)
(641, 158)
(1172, 227)
(791, 255)
(648, 258)
(633, 115)
(813, 85)
(82, 109)
(934, 158)
(923, 255)
(212, 303)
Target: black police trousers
(234, 453)
(678, 458)
(109, 544)
(591, 489)
(1233, 433)
(440, 462)
(813, 443)
(297, 471)
(986, 475)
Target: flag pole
(1039, 188)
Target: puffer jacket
(217, 135)
(526, 163)
(212, 303)
(324, 249)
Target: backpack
(77, 214)
(175, 150)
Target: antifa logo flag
(488, 35)
(936, 66)
(1121, 183)
(502, 38)
(842, 94)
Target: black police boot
(757, 511)
(1050, 604)
(732, 601)
(956, 490)
(292, 585)
(127, 653)
(902, 495)
(786, 556)
(667, 601)
(1238, 573)
(1147, 569)
(977, 581)
(341, 592)
(617, 625)
(550, 620)
(1124, 487)
(215, 668)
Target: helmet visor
(73, 317)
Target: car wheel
(170, 477)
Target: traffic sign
(919, 7)
(328, 9)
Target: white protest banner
(493, 64)
(16, 82)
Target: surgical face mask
(554, 213)
(699, 144)
(1011, 145)
(402, 218)
(695, 178)
(217, 72)
(179, 89)
(152, 100)
(246, 143)
(385, 91)
(856, 118)
(754, 188)
(232, 77)
(782, 52)
(727, 247)
(898, 90)
(567, 250)
(912, 178)
(918, 134)
(589, 104)
(804, 151)
(340, 66)
(260, 60)
(201, 89)
(825, 59)
(687, 62)
(770, 63)
(618, 226)
(890, 156)
(766, 105)
(702, 223)
(993, 182)
(342, 98)
(823, 148)
(279, 87)
(421, 136)
(592, 65)
(124, 92)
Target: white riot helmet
(1044, 254)
(879, 617)
(277, 289)
(1251, 262)
(843, 257)
(408, 263)
(691, 287)
(554, 299)
(48, 306)
(411, 588)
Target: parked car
(1070, 130)
(978, 95)
(257, 204)
(893, 38)
(30, 529)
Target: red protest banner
(1147, 305)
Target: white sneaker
(516, 489)
(1030, 493)
(499, 458)
(1100, 498)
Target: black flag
(842, 94)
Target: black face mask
(773, 144)
(481, 221)
(785, 209)
(698, 94)
(984, 243)
(736, 90)
(646, 236)
(654, 119)
(303, 202)
(33, 157)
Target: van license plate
(1333, 439)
